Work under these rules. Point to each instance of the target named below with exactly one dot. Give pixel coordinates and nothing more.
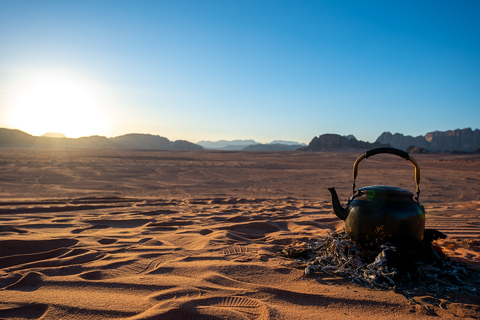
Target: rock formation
(331, 141)
(466, 140)
(401, 141)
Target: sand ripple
(192, 259)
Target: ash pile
(407, 270)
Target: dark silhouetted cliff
(331, 141)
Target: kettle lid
(387, 190)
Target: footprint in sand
(231, 307)
(238, 253)
(131, 268)
(235, 250)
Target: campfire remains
(422, 268)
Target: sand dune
(91, 234)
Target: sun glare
(57, 103)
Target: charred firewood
(391, 267)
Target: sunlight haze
(56, 102)
(263, 70)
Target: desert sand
(117, 234)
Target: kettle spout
(341, 212)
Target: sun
(57, 102)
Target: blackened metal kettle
(378, 214)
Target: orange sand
(110, 234)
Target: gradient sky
(263, 70)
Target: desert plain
(134, 234)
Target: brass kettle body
(378, 214)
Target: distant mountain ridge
(273, 147)
(222, 144)
(251, 145)
(466, 140)
(458, 140)
(54, 135)
(17, 138)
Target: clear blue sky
(244, 69)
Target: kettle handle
(394, 151)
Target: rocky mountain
(465, 140)
(148, 141)
(331, 141)
(401, 141)
(17, 138)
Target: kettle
(378, 214)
